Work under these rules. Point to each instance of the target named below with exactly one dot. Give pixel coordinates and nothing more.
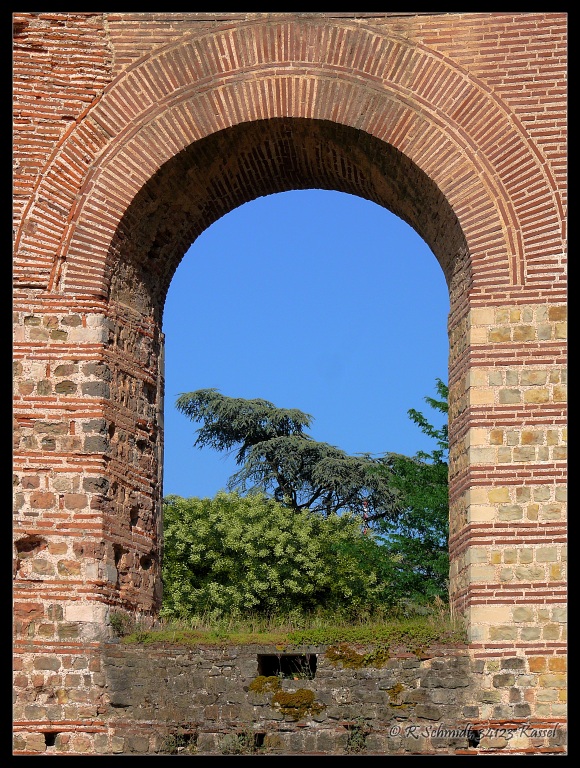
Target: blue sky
(311, 299)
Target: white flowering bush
(249, 554)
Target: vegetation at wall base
(413, 630)
(249, 554)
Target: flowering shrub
(234, 554)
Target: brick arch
(233, 166)
(452, 127)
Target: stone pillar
(87, 504)
(508, 543)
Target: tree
(417, 539)
(277, 456)
(234, 554)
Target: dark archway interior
(223, 171)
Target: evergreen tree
(277, 456)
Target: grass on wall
(412, 628)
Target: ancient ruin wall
(132, 134)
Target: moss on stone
(347, 656)
(265, 684)
(297, 703)
(394, 692)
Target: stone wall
(339, 699)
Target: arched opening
(217, 174)
(189, 193)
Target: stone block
(480, 513)
(498, 495)
(43, 567)
(524, 453)
(428, 712)
(557, 313)
(35, 742)
(523, 613)
(533, 377)
(480, 396)
(536, 396)
(561, 331)
(530, 573)
(137, 743)
(491, 614)
(551, 631)
(96, 389)
(524, 333)
(513, 662)
(510, 556)
(479, 455)
(559, 613)
(509, 396)
(499, 335)
(503, 681)
(482, 316)
(482, 573)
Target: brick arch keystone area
(133, 134)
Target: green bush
(237, 554)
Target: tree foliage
(234, 554)
(276, 455)
(243, 550)
(417, 539)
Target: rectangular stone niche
(287, 665)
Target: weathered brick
(75, 500)
(28, 611)
(42, 500)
